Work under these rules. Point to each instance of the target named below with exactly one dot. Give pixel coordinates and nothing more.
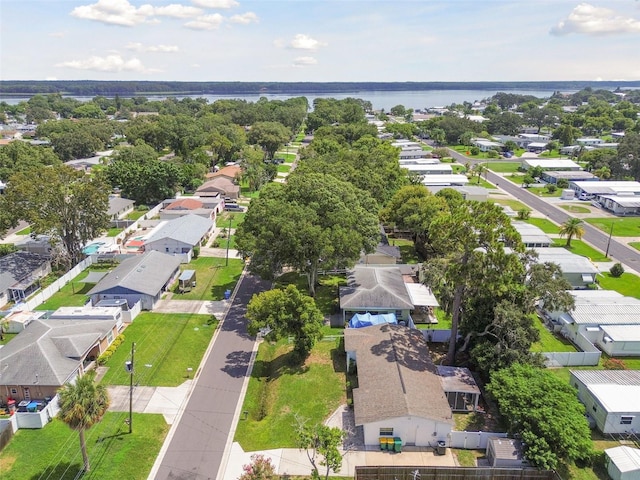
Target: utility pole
(606, 254)
(129, 368)
(226, 263)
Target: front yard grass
(635, 245)
(546, 225)
(575, 208)
(137, 213)
(114, 232)
(408, 252)
(54, 451)
(628, 284)
(24, 231)
(507, 202)
(504, 167)
(580, 248)
(166, 345)
(213, 278)
(279, 391)
(326, 292)
(622, 227)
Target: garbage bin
(11, 406)
(383, 443)
(442, 448)
(227, 294)
(397, 443)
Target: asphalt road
(617, 251)
(197, 447)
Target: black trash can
(441, 449)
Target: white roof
(443, 179)
(428, 167)
(604, 307)
(421, 295)
(622, 333)
(418, 161)
(81, 312)
(624, 457)
(617, 398)
(568, 262)
(531, 234)
(624, 201)
(611, 187)
(550, 162)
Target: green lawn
(284, 168)
(547, 226)
(279, 390)
(213, 278)
(580, 248)
(504, 167)
(628, 284)
(543, 192)
(457, 168)
(575, 208)
(635, 245)
(166, 345)
(136, 214)
(73, 294)
(54, 451)
(236, 219)
(473, 182)
(407, 250)
(516, 178)
(113, 232)
(549, 342)
(514, 204)
(24, 231)
(622, 227)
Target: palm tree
(82, 405)
(572, 228)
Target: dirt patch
(6, 462)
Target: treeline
(98, 87)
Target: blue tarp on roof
(360, 320)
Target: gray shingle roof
(145, 274)
(18, 266)
(188, 229)
(116, 204)
(375, 287)
(396, 376)
(49, 351)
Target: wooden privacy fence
(452, 473)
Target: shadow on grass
(339, 358)
(62, 471)
(284, 364)
(217, 291)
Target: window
(626, 420)
(386, 432)
(110, 337)
(594, 408)
(14, 391)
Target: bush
(493, 154)
(562, 183)
(106, 355)
(614, 364)
(551, 188)
(524, 214)
(196, 252)
(474, 151)
(617, 270)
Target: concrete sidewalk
(294, 462)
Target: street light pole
(606, 253)
(129, 368)
(226, 263)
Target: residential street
(197, 442)
(618, 251)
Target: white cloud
(177, 11)
(244, 18)
(305, 42)
(206, 22)
(139, 47)
(304, 61)
(110, 63)
(591, 20)
(51, 78)
(216, 3)
(121, 12)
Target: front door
(27, 393)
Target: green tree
(553, 426)
(312, 222)
(573, 227)
(270, 136)
(64, 203)
(20, 156)
(255, 171)
(398, 110)
(322, 444)
(82, 405)
(286, 312)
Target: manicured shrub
(617, 270)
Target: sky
(320, 40)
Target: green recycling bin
(397, 443)
(383, 443)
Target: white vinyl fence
(472, 440)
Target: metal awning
(587, 278)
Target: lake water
(379, 99)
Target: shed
(623, 463)
(460, 388)
(505, 452)
(187, 280)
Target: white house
(606, 187)
(429, 168)
(179, 236)
(486, 145)
(445, 180)
(621, 204)
(623, 462)
(578, 270)
(532, 236)
(610, 398)
(550, 164)
(399, 391)
(589, 141)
